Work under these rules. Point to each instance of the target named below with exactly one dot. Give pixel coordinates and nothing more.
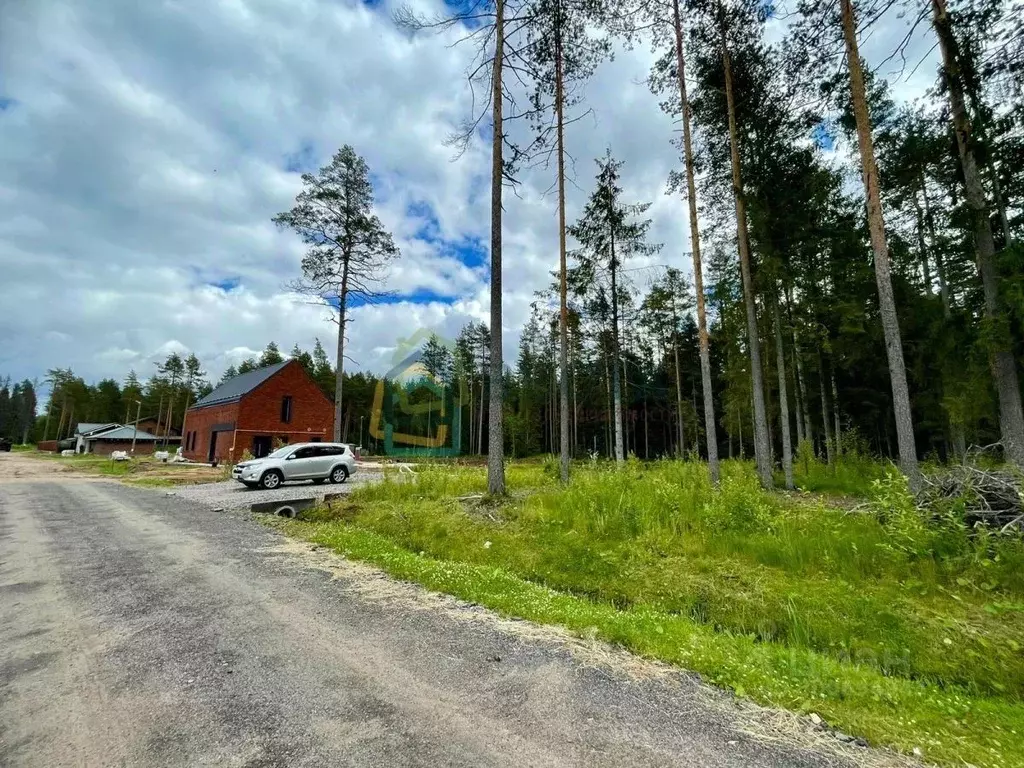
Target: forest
(857, 281)
(856, 259)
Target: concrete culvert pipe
(286, 512)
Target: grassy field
(894, 626)
(143, 471)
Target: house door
(213, 447)
(260, 446)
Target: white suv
(318, 462)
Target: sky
(145, 147)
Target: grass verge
(903, 631)
(949, 726)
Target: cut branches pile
(991, 496)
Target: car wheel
(339, 474)
(271, 479)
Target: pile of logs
(992, 496)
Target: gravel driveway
(231, 494)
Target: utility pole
(135, 432)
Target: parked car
(318, 462)
(5, 444)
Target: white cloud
(146, 148)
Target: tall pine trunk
(480, 419)
(681, 448)
(797, 409)
(940, 268)
(876, 227)
(926, 272)
(620, 455)
(170, 416)
(762, 448)
(647, 439)
(563, 311)
(610, 442)
(472, 413)
(835, 410)
(1004, 367)
(49, 412)
(575, 411)
(339, 374)
(63, 413)
(698, 277)
(826, 416)
(801, 382)
(496, 434)
(780, 362)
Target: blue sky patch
(467, 250)
(419, 296)
(301, 161)
(429, 229)
(6, 103)
(823, 135)
(227, 284)
(469, 7)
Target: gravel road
(138, 629)
(231, 494)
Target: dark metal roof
(87, 428)
(129, 433)
(233, 389)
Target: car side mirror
(289, 457)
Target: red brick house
(252, 411)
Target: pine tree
(174, 369)
(305, 359)
(348, 249)
(876, 228)
(271, 355)
(565, 53)
(608, 233)
(1004, 366)
(762, 447)
(663, 312)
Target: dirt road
(136, 630)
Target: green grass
(905, 631)
(850, 475)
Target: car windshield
(280, 453)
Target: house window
(286, 409)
